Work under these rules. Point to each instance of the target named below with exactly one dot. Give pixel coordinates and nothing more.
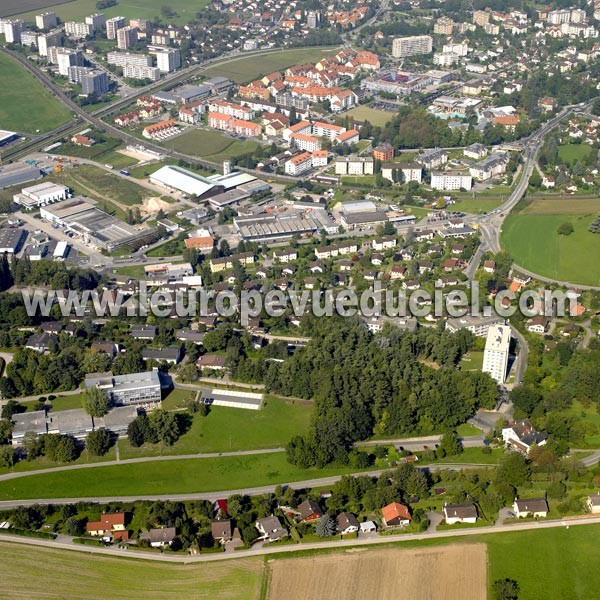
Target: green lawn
(165, 477)
(374, 116)
(476, 205)
(230, 429)
(589, 415)
(79, 576)
(79, 9)
(472, 361)
(533, 242)
(571, 153)
(25, 105)
(211, 145)
(248, 68)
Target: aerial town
(291, 293)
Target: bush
(565, 228)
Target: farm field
(19, 88)
(247, 68)
(60, 574)
(104, 152)
(230, 429)
(211, 145)
(391, 573)
(165, 477)
(531, 238)
(374, 116)
(77, 10)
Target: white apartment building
(121, 59)
(46, 20)
(410, 171)
(298, 164)
(460, 49)
(495, 356)
(67, 57)
(126, 37)
(45, 40)
(113, 25)
(78, 30)
(305, 142)
(355, 165)
(451, 181)
(232, 109)
(329, 130)
(412, 45)
(141, 72)
(167, 59)
(12, 30)
(97, 21)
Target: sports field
(245, 69)
(455, 572)
(20, 89)
(531, 238)
(77, 10)
(54, 574)
(211, 145)
(374, 116)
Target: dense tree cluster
(159, 426)
(364, 384)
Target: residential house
(522, 435)
(40, 342)
(347, 523)
(159, 538)
(221, 531)
(108, 523)
(530, 507)
(271, 529)
(396, 515)
(538, 324)
(170, 355)
(309, 511)
(216, 362)
(460, 513)
(489, 266)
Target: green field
(211, 145)
(78, 9)
(533, 242)
(101, 184)
(53, 573)
(230, 429)
(472, 361)
(165, 477)
(104, 152)
(556, 563)
(571, 153)
(248, 68)
(477, 205)
(25, 105)
(374, 116)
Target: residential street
(277, 549)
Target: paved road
(60, 544)
(418, 443)
(215, 495)
(7, 356)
